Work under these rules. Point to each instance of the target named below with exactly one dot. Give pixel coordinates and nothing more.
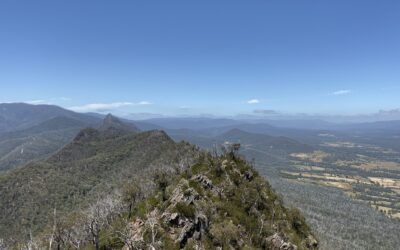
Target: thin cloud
(50, 101)
(342, 92)
(62, 98)
(253, 101)
(144, 103)
(37, 102)
(104, 107)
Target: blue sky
(208, 57)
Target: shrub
(225, 233)
(186, 210)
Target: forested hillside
(34, 132)
(94, 164)
(37, 142)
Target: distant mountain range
(302, 124)
(31, 132)
(17, 116)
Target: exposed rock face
(171, 218)
(204, 180)
(136, 229)
(193, 229)
(189, 227)
(224, 164)
(186, 232)
(311, 242)
(180, 195)
(134, 238)
(276, 241)
(201, 223)
(248, 175)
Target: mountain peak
(109, 119)
(111, 122)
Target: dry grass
(363, 146)
(384, 209)
(386, 182)
(340, 185)
(384, 203)
(366, 163)
(290, 173)
(396, 215)
(329, 177)
(318, 176)
(316, 156)
(380, 165)
(341, 144)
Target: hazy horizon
(257, 115)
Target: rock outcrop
(276, 241)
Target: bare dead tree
(77, 235)
(262, 223)
(99, 215)
(152, 224)
(54, 228)
(32, 244)
(2, 244)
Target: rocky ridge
(219, 203)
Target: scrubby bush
(186, 210)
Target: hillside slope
(218, 203)
(93, 164)
(38, 141)
(18, 116)
(33, 132)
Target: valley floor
(339, 221)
